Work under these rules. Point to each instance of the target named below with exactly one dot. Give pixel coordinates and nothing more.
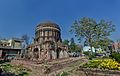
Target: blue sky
(18, 17)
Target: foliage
(103, 64)
(23, 74)
(78, 48)
(74, 47)
(100, 51)
(116, 56)
(6, 67)
(92, 56)
(87, 53)
(63, 74)
(103, 43)
(91, 31)
(66, 42)
(18, 70)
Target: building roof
(8, 47)
(48, 24)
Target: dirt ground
(51, 68)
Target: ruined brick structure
(47, 43)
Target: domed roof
(48, 24)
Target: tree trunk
(91, 50)
(90, 44)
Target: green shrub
(6, 67)
(87, 53)
(92, 64)
(116, 56)
(92, 56)
(63, 74)
(19, 70)
(23, 74)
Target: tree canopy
(92, 31)
(66, 42)
(73, 47)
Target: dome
(48, 24)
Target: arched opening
(36, 50)
(50, 52)
(36, 53)
(58, 52)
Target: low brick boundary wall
(98, 72)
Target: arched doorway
(58, 52)
(50, 54)
(36, 53)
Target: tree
(72, 45)
(103, 43)
(26, 39)
(85, 43)
(66, 42)
(91, 31)
(78, 48)
(26, 42)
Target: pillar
(48, 55)
(39, 52)
(53, 54)
(61, 54)
(32, 54)
(65, 54)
